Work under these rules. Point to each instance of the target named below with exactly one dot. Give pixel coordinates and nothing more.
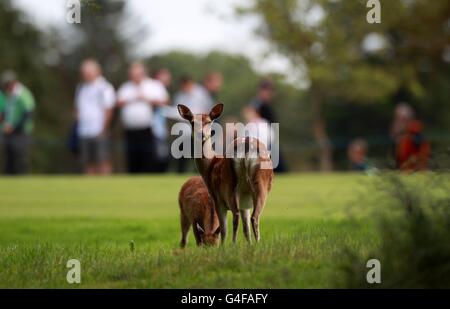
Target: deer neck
(203, 163)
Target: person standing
(262, 103)
(94, 103)
(212, 84)
(264, 99)
(258, 127)
(160, 124)
(136, 99)
(357, 154)
(196, 97)
(410, 148)
(2, 105)
(413, 150)
(17, 123)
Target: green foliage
(332, 46)
(100, 36)
(415, 230)
(327, 41)
(240, 80)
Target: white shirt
(262, 131)
(92, 100)
(137, 114)
(198, 100)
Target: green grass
(45, 221)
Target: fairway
(45, 221)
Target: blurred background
(348, 95)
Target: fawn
(236, 184)
(197, 210)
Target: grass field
(45, 221)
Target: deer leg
(235, 226)
(235, 210)
(197, 235)
(245, 214)
(222, 214)
(258, 205)
(185, 225)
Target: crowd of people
(410, 149)
(143, 102)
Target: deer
(197, 210)
(237, 184)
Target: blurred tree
(347, 59)
(106, 34)
(240, 79)
(23, 49)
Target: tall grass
(414, 230)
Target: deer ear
(185, 112)
(217, 231)
(199, 228)
(216, 111)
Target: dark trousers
(282, 167)
(184, 165)
(16, 153)
(140, 149)
(162, 155)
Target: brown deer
(236, 184)
(197, 210)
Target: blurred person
(229, 134)
(137, 99)
(186, 95)
(16, 121)
(258, 127)
(264, 100)
(2, 111)
(212, 84)
(357, 155)
(194, 96)
(263, 104)
(2, 105)
(200, 98)
(164, 76)
(94, 103)
(403, 115)
(412, 149)
(160, 124)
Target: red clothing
(412, 150)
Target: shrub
(414, 228)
